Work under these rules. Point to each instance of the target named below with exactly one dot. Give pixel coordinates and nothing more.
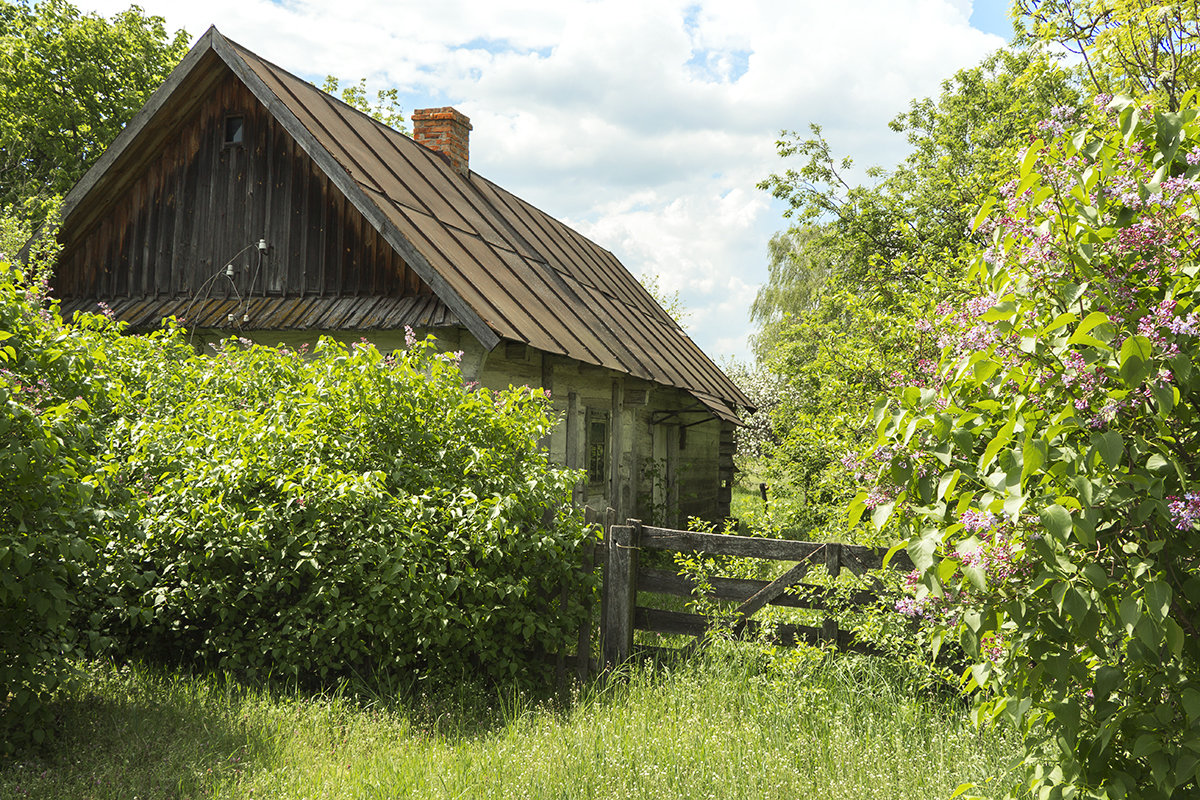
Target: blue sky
(645, 124)
(992, 16)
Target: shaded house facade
(247, 202)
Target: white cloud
(644, 123)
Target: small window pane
(597, 451)
(234, 130)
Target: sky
(644, 124)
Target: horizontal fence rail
(624, 578)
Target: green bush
(312, 516)
(1048, 481)
(49, 398)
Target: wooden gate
(625, 577)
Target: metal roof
(498, 265)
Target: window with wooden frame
(597, 447)
(235, 130)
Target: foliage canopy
(68, 83)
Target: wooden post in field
(620, 591)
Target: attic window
(235, 130)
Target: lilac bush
(1045, 477)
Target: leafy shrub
(49, 400)
(1048, 482)
(342, 512)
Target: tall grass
(718, 728)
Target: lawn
(729, 725)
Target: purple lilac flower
(976, 521)
(1185, 511)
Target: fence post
(583, 649)
(620, 591)
(833, 565)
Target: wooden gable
(192, 203)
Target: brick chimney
(444, 131)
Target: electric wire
(207, 287)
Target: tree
(68, 83)
(386, 108)
(1134, 46)
(862, 262)
(1046, 481)
(670, 301)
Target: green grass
(719, 728)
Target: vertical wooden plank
(833, 565)
(614, 450)
(297, 194)
(583, 648)
(672, 476)
(574, 454)
(833, 559)
(609, 518)
(829, 631)
(333, 246)
(313, 223)
(184, 189)
(620, 588)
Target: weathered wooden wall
(196, 203)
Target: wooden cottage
(246, 201)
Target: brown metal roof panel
(473, 282)
(314, 115)
(582, 333)
(557, 308)
(537, 227)
(596, 273)
(358, 144)
(720, 408)
(619, 324)
(514, 297)
(414, 176)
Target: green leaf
(982, 214)
(1131, 613)
(881, 514)
(857, 506)
(999, 442)
(1165, 398)
(1110, 446)
(921, 552)
(1091, 321)
(1107, 680)
(947, 483)
(1062, 319)
(1158, 599)
(946, 569)
(1033, 455)
(896, 548)
(1057, 521)
(1030, 158)
(976, 577)
(1135, 360)
(1191, 704)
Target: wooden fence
(624, 577)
